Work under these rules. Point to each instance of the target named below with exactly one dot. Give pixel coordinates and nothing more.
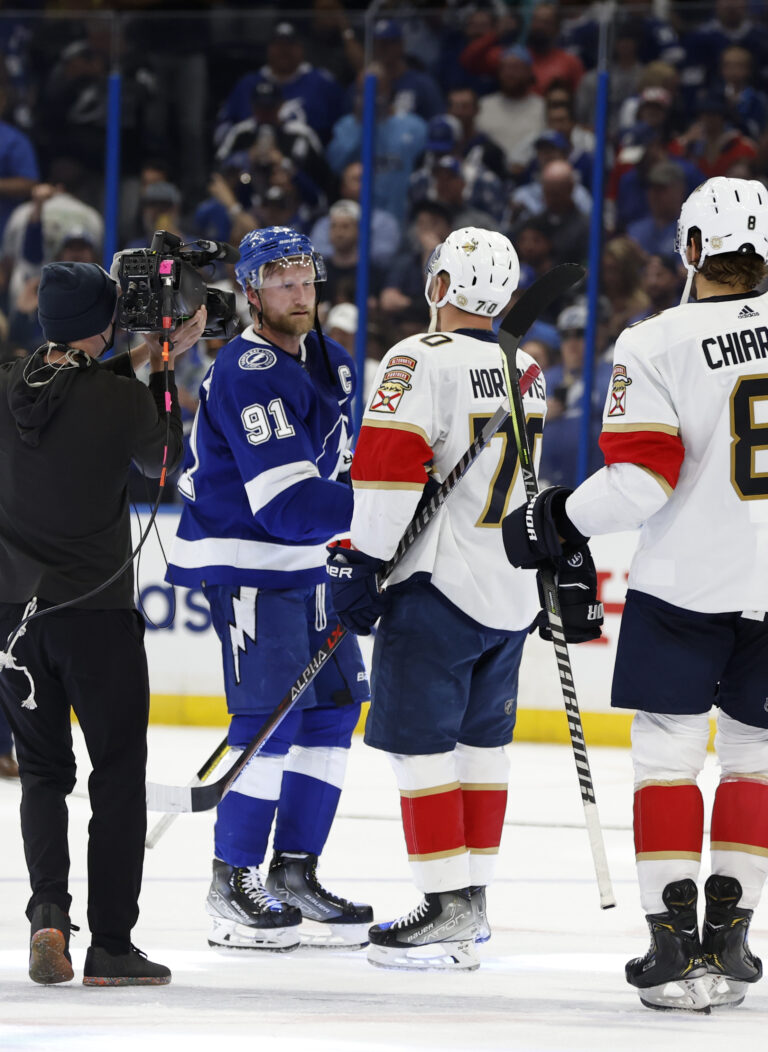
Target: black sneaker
(669, 976)
(122, 969)
(49, 959)
(724, 942)
(245, 916)
(438, 934)
(292, 879)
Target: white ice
(552, 975)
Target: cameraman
(69, 428)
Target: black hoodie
(65, 454)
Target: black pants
(93, 661)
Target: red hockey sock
(484, 810)
(433, 822)
(669, 821)
(740, 816)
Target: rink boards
(185, 664)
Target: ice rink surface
(551, 980)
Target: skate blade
(324, 935)
(683, 995)
(436, 957)
(725, 992)
(126, 980)
(228, 936)
(47, 963)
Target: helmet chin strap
(432, 317)
(688, 283)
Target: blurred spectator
(159, 209)
(399, 139)
(482, 190)
(565, 392)
(676, 109)
(411, 90)
(514, 115)
(404, 283)
(341, 325)
(641, 149)
(712, 143)
(567, 225)
(335, 45)
(666, 190)
(706, 43)
(532, 238)
(385, 229)
(550, 62)
(477, 148)
(653, 38)
(449, 186)
(662, 283)
(528, 199)
(18, 162)
(478, 22)
(748, 108)
(272, 135)
(620, 284)
(542, 353)
(341, 262)
(581, 141)
(46, 218)
(313, 95)
(624, 78)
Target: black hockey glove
(532, 533)
(356, 597)
(582, 613)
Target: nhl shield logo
(257, 358)
(618, 396)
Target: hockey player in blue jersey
(262, 498)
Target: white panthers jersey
(432, 396)
(689, 403)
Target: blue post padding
(593, 271)
(364, 240)
(112, 168)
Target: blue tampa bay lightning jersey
(270, 437)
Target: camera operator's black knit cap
(75, 301)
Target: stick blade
(538, 296)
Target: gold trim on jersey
(654, 856)
(483, 850)
(659, 478)
(665, 429)
(396, 425)
(358, 484)
(749, 849)
(653, 781)
(433, 790)
(484, 786)
(432, 855)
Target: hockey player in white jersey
(684, 438)
(454, 615)
(262, 498)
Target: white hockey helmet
(731, 215)
(483, 269)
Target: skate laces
(337, 900)
(418, 913)
(250, 883)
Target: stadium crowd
(233, 120)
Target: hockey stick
(521, 316)
(162, 825)
(509, 341)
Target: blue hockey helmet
(273, 244)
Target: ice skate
(672, 973)
(438, 934)
(329, 921)
(49, 959)
(477, 897)
(730, 963)
(245, 916)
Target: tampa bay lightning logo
(257, 358)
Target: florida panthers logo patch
(617, 400)
(390, 394)
(257, 358)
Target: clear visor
(288, 273)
